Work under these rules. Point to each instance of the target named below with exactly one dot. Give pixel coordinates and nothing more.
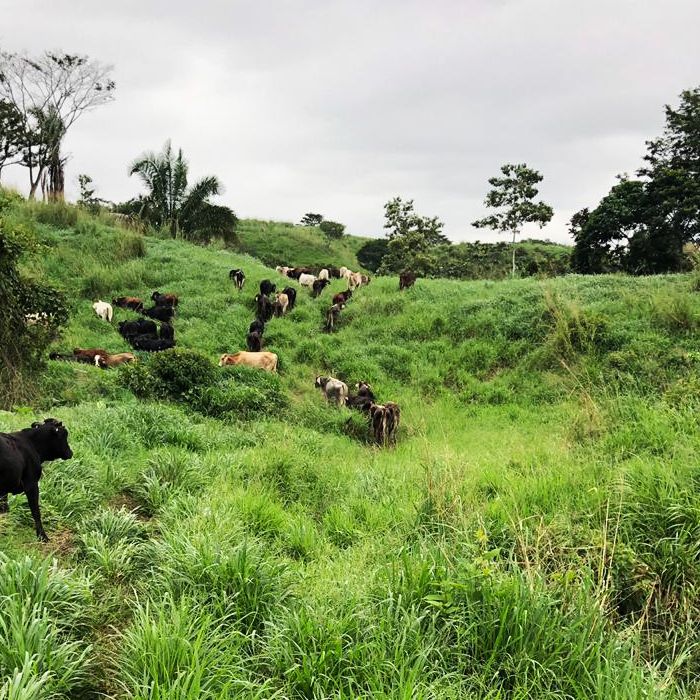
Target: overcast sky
(337, 106)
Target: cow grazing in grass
(281, 304)
(318, 286)
(267, 288)
(384, 422)
(160, 313)
(354, 280)
(85, 355)
(363, 399)
(291, 296)
(257, 326)
(238, 278)
(259, 360)
(120, 358)
(253, 341)
(334, 273)
(264, 307)
(165, 299)
(296, 272)
(342, 297)
(282, 270)
(141, 326)
(332, 316)
(333, 389)
(103, 310)
(324, 274)
(307, 280)
(21, 456)
(130, 303)
(407, 279)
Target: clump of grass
(674, 312)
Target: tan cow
(261, 360)
(119, 358)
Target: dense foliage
(641, 226)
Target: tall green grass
(225, 533)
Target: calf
(282, 270)
(354, 280)
(253, 341)
(342, 272)
(318, 286)
(150, 344)
(132, 303)
(307, 280)
(333, 389)
(160, 313)
(103, 310)
(21, 456)
(257, 326)
(115, 360)
(264, 307)
(332, 316)
(238, 278)
(267, 288)
(128, 329)
(342, 297)
(407, 279)
(259, 360)
(165, 299)
(291, 296)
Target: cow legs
(32, 491)
(4, 505)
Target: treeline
(479, 260)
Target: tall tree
(11, 134)
(168, 201)
(513, 196)
(332, 230)
(53, 88)
(412, 238)
(641, 225)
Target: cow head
(321, 382)
(155, 295)
(53, 439)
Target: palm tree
(168, 202)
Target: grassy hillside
(277, 243)
(534, 534)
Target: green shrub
(55, 214)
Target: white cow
(307, 280)
(323, 274)
(343, 271)
(103, 310)
(283, 270)
(354, 280)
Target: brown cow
(133, 303)
(342, 297)
(261, 360)
(115, 360)
(384, 422)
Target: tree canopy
(642, 224)
(513, 197)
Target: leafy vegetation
(533, 534)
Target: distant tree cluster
(40, 100)
(642, 225)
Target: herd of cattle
(22, 453)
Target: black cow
(21, 456)
(128, 329)
(254, 341)
(318, 286)
(334, 272)
(296, 272)
(160, 313)
(167, 332)
(151, 344)
(257, 326)
(238, 278)
(363, 399)
(291, 295)
(267, 287)
(264, 307)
